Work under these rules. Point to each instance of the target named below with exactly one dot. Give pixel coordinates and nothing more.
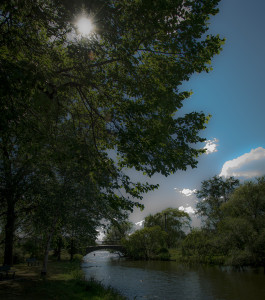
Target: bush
(239, 258)
(78, 257)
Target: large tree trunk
(9, 233)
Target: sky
(233, 93)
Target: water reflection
(171, 281)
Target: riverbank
(176, 255)
(65, 280)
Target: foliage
(67, 100)
(118, 231)
(238, 237)
(213, 193)
(244, 224)
(173, 221)
(164, 254)
(248, 202)
(32, 247)
(146, 243)
(78, 257)
(199, 247)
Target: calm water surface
(171, 281)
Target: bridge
(103, 246)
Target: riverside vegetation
(232, 232)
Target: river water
(172, 281)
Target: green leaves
(213, 193)
(234, 219)
(66, 100)
(171, 220)
(145, 243)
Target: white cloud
(188, 209)
(187, 192)
(100, 235)
(211, 146)
(137, 226)
(248, 165)
(140, 223)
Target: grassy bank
(63, 281)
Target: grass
(63, 281)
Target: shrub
(78, 257)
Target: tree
(19, 182)
(248, 201)
(122, 83)
(235, 238)
(242, 230)
(238, 236)
(173, 221)
(214, 192)
(197, 246)
(118, 231)
(119, 90)
(146, 243)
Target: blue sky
(233, 93)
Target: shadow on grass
(70, 289)
(65, 281)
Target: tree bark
(72, 250)
(9, 233)
(60, 243)
(8, 196)
(46, 255)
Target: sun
(85, 26)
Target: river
(172, 281)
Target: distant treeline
(232, 232)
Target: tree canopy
(213, 193)
(67, 100)
(242, 231)
(117, 232)
(173, 221)
(121, 84)
(147, 243)
(237, 231)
